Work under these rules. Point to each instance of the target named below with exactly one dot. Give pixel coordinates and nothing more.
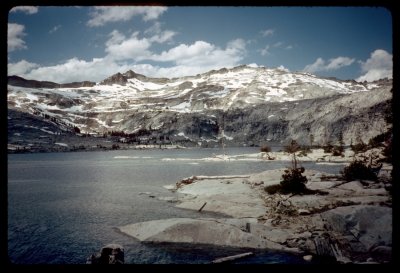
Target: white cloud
(278, 44)
(281, 67)
(14, 38)
(54, 29)
(204, 54)
(20, 68)
(254, 65)
(158, 35)
(26, 9)
(289, 47)
(124, 52)
(318, 65)
(119, 47)
(267, 32)
(333, 64)
(338, 63)
(76, 70)
(103, 15)
(192, 59)
(185, 53)
(378, 66)
(196, 58)
(264, 51)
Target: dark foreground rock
(109, 254)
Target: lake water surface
(62, 207)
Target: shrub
(304, 150)
(377, 141)
(359, 147)
(338, 151)
(328, 148)
(293, 181)
(292, 147)
(358, 171)
(265, 149)
(272, 189)
(387, 152)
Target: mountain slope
(272, 104)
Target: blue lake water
(62, 207)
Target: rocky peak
(115, 79)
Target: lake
(62, 207)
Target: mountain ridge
(130, 102)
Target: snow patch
(61, 144)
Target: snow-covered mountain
(129, 102)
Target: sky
(66, 44)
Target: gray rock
(303, 211)
(371, 225)
(308, 258)
(109, 254)
(222, 232)
(384, 250)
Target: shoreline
(338, 225)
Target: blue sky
(65, 44)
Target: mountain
(19, 81)
(253, 104)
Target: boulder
(109, 254)
(370, 225)
(221, 232)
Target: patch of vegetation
(378, 140)
(357, 170)
(265, 149)
(387, 151)
(272, 189)
(360, 147)
(338, 151)
(304, 150)
(293, 181)
(328, 147)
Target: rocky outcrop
(115, 79)
(209, 231)
(109, 254)
(350, 223)
(371, 226)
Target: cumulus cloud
(338, 63)
(158, 35)
(75, 69)
(332, 64)
(124, 52)
(25, 9)
(281, 67)
(267, 32)
(254, 65)
(378, 66)
(103, 15)
(14, 37)
(204, 54)
(191, 59)
(20, 68)
(119, 47)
